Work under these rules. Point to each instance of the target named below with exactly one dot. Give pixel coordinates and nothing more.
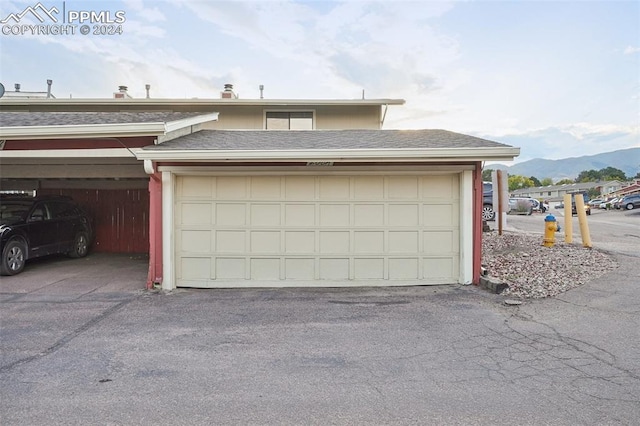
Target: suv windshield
(14, 211)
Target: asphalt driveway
(92, 349)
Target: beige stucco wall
(325, 117)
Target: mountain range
(627, 160)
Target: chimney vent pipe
(228, 93)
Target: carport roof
(328, 145)
(28, 124)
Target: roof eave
(378, 155)
(210, 101)
(75, 131)
(191, 121)
(82, 131)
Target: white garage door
(296, 230)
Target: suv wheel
(13, 258)
(487, 212)
(80, 246)
(629, 206)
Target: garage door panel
(264, 188)
(334, 229)
(196, 241)
(404, 215)
(300, 242)
(404, 268)
(230, 187)
(196, 214)
(265, 242)
(335, 242)
(197, 187)
(334, 188)
(299, 187)
(230, 268)
(443, 186)
(368, 269)
(441, 214)
(335, 214)
(231, 242)
(368, 215)
(334, 269)
(368, 188)
(265, 215)
(231, 214)
(368, 242)
(265, 269)
(439, 268)
(300, 214)
(436, 242)
(196, 268)
(300, 269)
(404, 241)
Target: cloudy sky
(556, 78)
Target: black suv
(487, 201)
(38, 226)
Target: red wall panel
(120, 217)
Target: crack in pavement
(67, 338)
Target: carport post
(155, 230)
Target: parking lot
(617, 231)
(82, 342)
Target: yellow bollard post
(568, 221)
(582, 221)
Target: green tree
(611, 173)
(535, 181)
(588, 176)
(564, 182)
(546, 182)
(486, 175)
(593, 192)
(519, 182)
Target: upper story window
(289, 120)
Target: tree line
(604, 174)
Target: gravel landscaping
(534, 271)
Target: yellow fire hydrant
(550, 229)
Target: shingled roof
(270, 140)
(328, 145)
(28, 118)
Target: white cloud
(630, 50)
(570, 140)
(149, 14)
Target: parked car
(608, 204)
(595, 203)
(630, 202)
(487, 201)
(538, 206)
(618, 203)
(32, 227)
(522, 205)
(585, 197)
